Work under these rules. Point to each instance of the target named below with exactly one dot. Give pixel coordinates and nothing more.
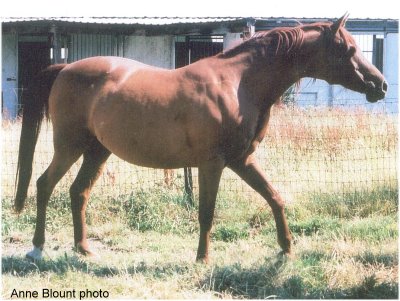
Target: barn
(29, 44)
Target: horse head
(342, 62)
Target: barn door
(33, 56)
(9, 76)
(188, 50)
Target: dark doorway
(194, 48)
(32, 57)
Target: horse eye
(341, 49)
(351, 51)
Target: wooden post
(188, 186)
(56, 45)
(251, 26)
(249, 30)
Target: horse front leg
(249, 170)
(209, 177)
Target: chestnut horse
(211, 114)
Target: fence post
(188, 186)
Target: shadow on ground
(20, 266)
(257, 282)
(260, 283)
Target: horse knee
(43, 188)
(206, 221)
(276, 202)
(78, 196)
(42, 181)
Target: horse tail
(35, 108)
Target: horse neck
(266, 71)
(260, 81)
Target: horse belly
(155, 127)
(151, 152)
(161, 145)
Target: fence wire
(308, 150)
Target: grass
(310, 150)
(349, 256)
(337, 173)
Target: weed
(336, 169)
(159, 211)
(230, 233)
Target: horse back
(147, 116)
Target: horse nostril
(384, 86)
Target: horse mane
(284, 40)
(275, 42)
(280, 41)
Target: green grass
(305, 151)
(337, 170)
(147, 242)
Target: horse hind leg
(94, 159)
(60, 164)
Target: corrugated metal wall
(87, 45)
(153, 50)
(157, 51)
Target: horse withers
(211, 114)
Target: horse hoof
(202, 260)
(86, 252)
(286, 255)
(35, 254)
(92, 255)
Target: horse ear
(339, 23)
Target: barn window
(189, 49)
(372, 47)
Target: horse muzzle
(375, 92)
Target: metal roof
(156, 20)
(125, 20)
(183, 25)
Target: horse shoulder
(261, 129)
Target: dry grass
(310, 150)
(337, 169)
(336, 257)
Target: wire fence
(308, 150)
